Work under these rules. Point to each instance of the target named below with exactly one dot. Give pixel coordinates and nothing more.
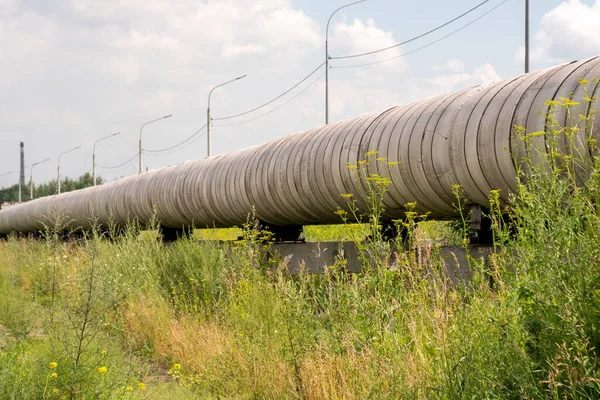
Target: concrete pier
(314, 257)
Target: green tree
(11, 194)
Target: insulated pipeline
(465, 138)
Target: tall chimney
(22, 174)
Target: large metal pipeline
(465, 138)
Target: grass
(131, 318)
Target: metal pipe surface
(465, 138)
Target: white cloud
(243, 50)
(451, 65)
(7, 7)
(360, 37)
(447, 83)
(568, 32)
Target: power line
(176, 150)
(424, 46)
(278, 107)
(178, 144)
(413, 38)
(275, 99)
(126, 168)
(120, 165)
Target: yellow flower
(53, 375)
(372, 153)
(583, 81)
(52, 365)
(55, 390)
(534, 134)
(566, 102)
(381, 159)
(129, 388)
(551, 103)
(102, 370)
(346, 195)
(141, 386)
(176, 367)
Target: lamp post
(94, 154)
(31, 177)
(327, 59)
(140, 149)
(526, 36)
(208, 113)
(58, 167)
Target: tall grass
(132, 318)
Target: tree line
(11, 194)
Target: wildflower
(55, 390)
(53, 375)
(583, 81)
(102, 370)
(534, 134)
(141, 386)
(340, 212)
(392, 163)
(346, 195)
(52, 365)
(381, 159)
(372, 153)
(551, 103)
(352, 166)
(129, 388)
(412, 204)
(176, 367)
(566, 102)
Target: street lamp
(140, 149)
(208, 113)
(31, 177)
(526, 36)
(94, 154)
(327, 59)
(58, 168)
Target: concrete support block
(457, 262)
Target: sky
(74, 71)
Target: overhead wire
(413, 38)
(278, 107)
(176, 150)
(118, 166)
(426, 45)
(125, 168)
(273, 100)
(167, 149)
